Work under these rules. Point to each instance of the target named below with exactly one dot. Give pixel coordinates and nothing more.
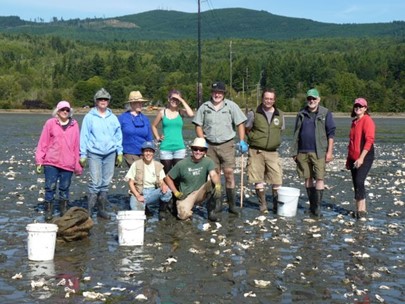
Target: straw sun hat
(135, 96)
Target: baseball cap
(218, 87)
(148, 145)
(313, 93)
(361, 101)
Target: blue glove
(243, 147)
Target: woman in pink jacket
(360, 154)
(57, 155)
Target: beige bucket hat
(199, 142)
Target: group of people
(178, 182)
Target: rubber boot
(318, 203)
(275, 200)
(230, 194)
(48, 211)
(102, 202)
(148, 212)
(63, 206)
(261, 196)
(311, 198)
(91, 202)
(163, 210)
(218, 208)
(211, 207)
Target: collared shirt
(219, 125)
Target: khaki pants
(184, 207)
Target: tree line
(45, 70)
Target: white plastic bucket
(41, 241)
(131, 227)
(288, 198)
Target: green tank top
(173, 133)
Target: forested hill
(215, 24)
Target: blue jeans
(52, 175)
(151, 196)
(101, 168)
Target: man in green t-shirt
(188, 180)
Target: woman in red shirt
(360, 152)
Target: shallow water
(332, 260)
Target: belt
(217, 144)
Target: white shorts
(167, 155)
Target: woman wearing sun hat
(360, 152)
(57, 155)
(135, 128)
(172, 148)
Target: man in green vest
(145, 180)
(312, 147)
(264, 129)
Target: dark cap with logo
(218, 87)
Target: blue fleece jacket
(100, 134)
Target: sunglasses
(199, 149)
(358, 106)
(64, 110)
(103, 99)
(311, 98)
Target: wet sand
(248, 259)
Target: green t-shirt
(190, 176)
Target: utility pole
(243, 88)
(247, 89)
(199, 84)
(230, 68)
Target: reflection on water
(41, 269)
(131, 262)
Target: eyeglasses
(64, 110)
(195, 149)
(103, 99)
(358, 106)
(311, 98)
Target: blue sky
(337, 11)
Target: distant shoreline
(154, 112)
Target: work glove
(83, 162)
(243, 146)
(217, 191)
(179, 195)
(118, 161)
(39, 169)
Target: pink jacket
(58, 147)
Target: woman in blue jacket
(136, 128)
(101, 145)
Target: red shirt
(362, 135)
